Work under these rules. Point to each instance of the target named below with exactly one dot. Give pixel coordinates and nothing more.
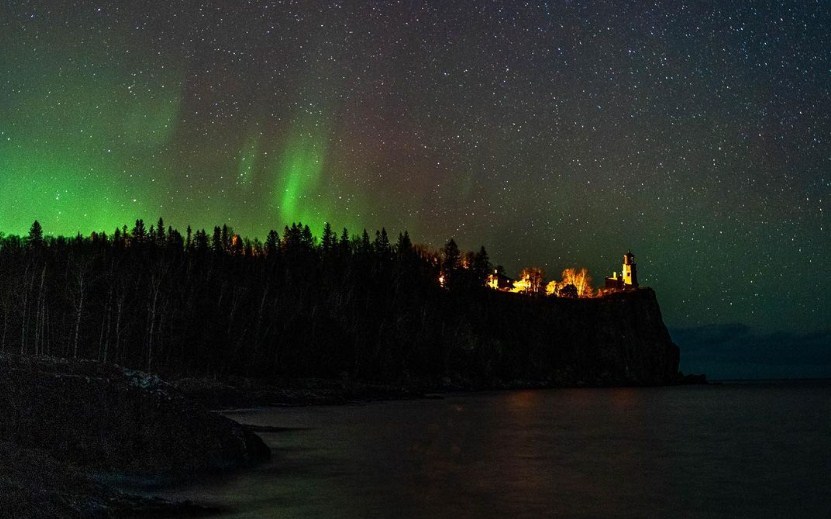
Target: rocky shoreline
(64, 423)
(35, 485)
(240, 393)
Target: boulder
(104, 417)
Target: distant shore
(246, 393)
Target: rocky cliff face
(615, 340)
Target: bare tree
(152, 311)
(24, 321)
(120, 300)
(40, 313)
(531, 281)
(78, 289)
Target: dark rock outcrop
(35, 485)
(494, 341)
(619, 339)
(511, 341)
(104, 417)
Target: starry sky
(557, 134)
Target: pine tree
(225, 237)
(345, 245)
(139, 233)
(189, 239)
(35, 239)
(160, 236)
(382, 243)
(327, 241)
(452, 256)
(481, 266)
(216, 241)
(404, 245)
(307, 239)
(365, 246)
(201, 241)
(272, 243)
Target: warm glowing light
(579, 278)
(522, 286)
(530, 281)
(628, 278)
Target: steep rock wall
(619, 339)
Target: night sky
(557, 134)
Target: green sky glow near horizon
(80, 135)
(90, 148)
(556, 137)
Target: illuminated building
(628, 275)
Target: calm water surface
(735, 450)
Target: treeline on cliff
(291, 306)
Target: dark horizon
(730, 352)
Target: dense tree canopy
(291, 306)
(221, 305)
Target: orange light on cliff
(530, 281)
(579, 278)
(522, 286)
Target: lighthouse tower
(630, 271)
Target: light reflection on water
(719, 451)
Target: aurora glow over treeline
(558, 134)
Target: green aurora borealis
(554, 134)
(89, 144)
(80, 135)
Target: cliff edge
(616, 340)
(619, 339)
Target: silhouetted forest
(343, 305)
(214, 304)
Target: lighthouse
(629, 273)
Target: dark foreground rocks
(61, 420)
(35, 485)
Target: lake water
(733, 450)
